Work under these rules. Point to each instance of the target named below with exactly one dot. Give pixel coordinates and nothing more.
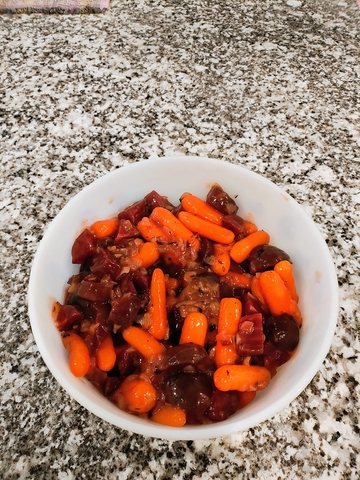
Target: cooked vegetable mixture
(179, 313)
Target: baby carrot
(105, 228)
(222, 260)
(157, 309)
(78, 352)
(169, 415)
(206, 229)
(241, 249)
(147, 255)
(194, 329)
(142, 341)
(277, 296)
(243, 378)
(245, 398)
(225, 354)
(195, 205)
(237, 279)
(171, 224)
(249, 227)
(285, 269)
(149, 229)
(106, 356)
(139, 396)
(229, 316)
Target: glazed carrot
(169, 415)
(194, 329)
(241, 249)
(243, 378)
(206, 229)
(249, 227)
(147, 255)
(142, 341)
(286, 272)
(225, 354)
(222, 260)
(105, 228)
(149, 229)
(106, 356)
(139, 396)
(171, 224)
(245, 398)
(195, 205)
(237, 279)
(277, 296)
(229, 316)
(157, 309)
(78, 352)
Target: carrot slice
(194, 329)
(241, 249)
(195, 205)
(105, 228)
(206, 229)
(243, 378)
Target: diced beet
(276, 355)
(127, 285)
(111, 384)
(135, 212)
(153, 200)
(128, 359)
(176, 322)
(282, 331)
(126, 230)
(235, 223)
(223, 405)
(187, 354)
(105, 263)
(251, 304)
(227, 290)
(220, 200)
(142, 282)
(67, 317)
(265, 257)
(206, 251)
(190, 391)
(250, 337)
(124, 310)
(83, 247)
(95, 291)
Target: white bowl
(260, 200)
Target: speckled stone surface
(272, 85)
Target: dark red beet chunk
(83, 247)
(236, 224)
(250, 338)
(190, 391)
(276, 355)
(126, 230)
(67, 317)
(127, 360)
(265, 257)
(282, 331)
(220, 200)
(135, 212)
(95, 291)
(223, 405)
(124, 310)
(187, 354)
(104, 263)
(251, 304)
(153, 200)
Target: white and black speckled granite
(273, 85)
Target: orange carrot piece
(195, 205)
(225, 354)
(105, 228)
(285, 269)
(277, 296)
(237, 279)
(147, 255)
(229, 316)
(194, 329)
(245, 398)
(249, 227)
(105, 355)
(206, 229)
(241, 249)
(139, 396)
(243, 378)
(143, 341)
(169, 415)
(171, 224)
(149, 229)
(78, 352)
(157, 309)
(222, 260)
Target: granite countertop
(272, 85)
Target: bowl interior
(290, 228)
